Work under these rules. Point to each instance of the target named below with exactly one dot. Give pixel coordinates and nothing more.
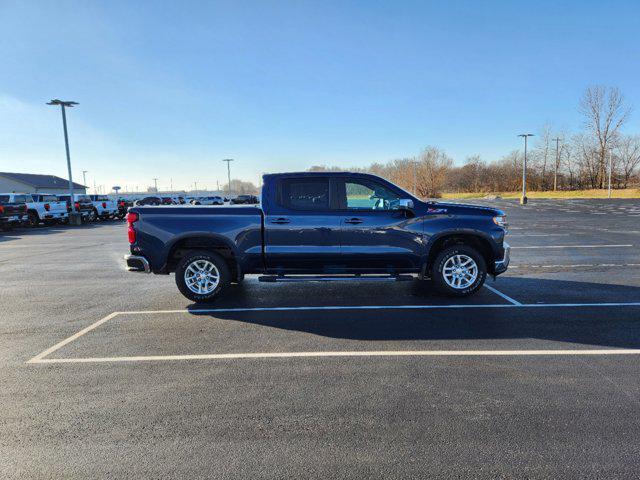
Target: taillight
(1, 209)
(122, 204)
(47, 207)
(131, 219)
(77, 205)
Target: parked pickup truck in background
(103, 207)
(13, 209)
(45, 208)
(82, 204)
(245, 200)
(123, 206)
(320, 226)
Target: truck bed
(161, 228)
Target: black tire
(195, 255)
(34, 220)
(437, 276)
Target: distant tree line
(240, 187)
(555, 160)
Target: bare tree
(432, 167)
(240, 187)
(541, 154)
(605, 112)
(566, 159)
(628, 157)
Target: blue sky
(168, 89)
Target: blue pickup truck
(320, 226)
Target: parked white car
(103, 207)
(45, 208)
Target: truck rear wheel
(459, 271)
(201, 276)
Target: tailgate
(58, 207)
(12, 209)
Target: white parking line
(578, 265)
(499, 293)
(386, 307)
(40, 358)
(73, 337)
(539, 234)
(573, 246)
(366, 353)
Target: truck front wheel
(201, 276)
(34, 220)
(458, 271)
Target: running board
(335, 278)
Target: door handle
(280, 220)
(353, 220)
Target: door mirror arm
(406, 205)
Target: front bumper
(501, 266)
(136, 263)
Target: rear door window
(306, 193)
(4, 198)
(22, 199)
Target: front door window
(370, 196)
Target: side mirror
(405, 204)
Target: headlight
(501, 221)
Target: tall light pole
(63, 106)
(555, 170)
(523, 199)
(228, 160)
(155, 182)
(84, 177)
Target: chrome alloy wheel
(202, 277)
(460, 271)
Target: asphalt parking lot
(111, 374)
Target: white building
(33, 183)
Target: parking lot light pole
(228, 160)
(523, 199)
(74, 217)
